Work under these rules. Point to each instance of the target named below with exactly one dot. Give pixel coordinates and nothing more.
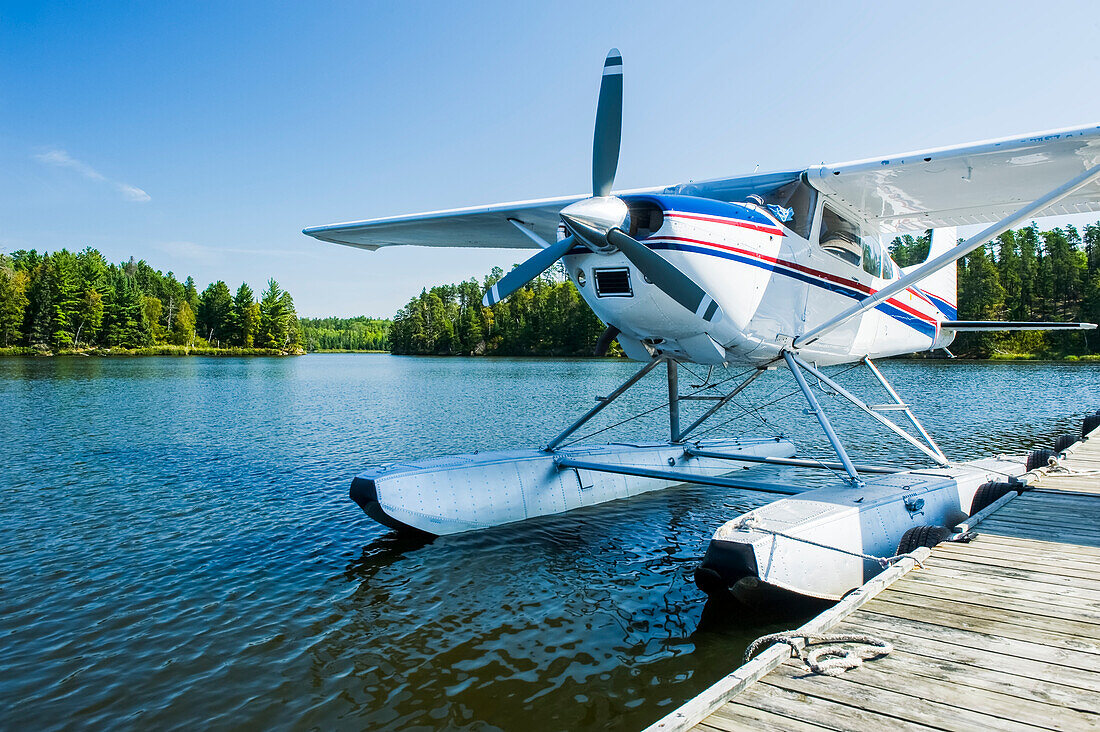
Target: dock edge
(695, 710)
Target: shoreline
(163, 350)
(184, 351)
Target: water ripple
(179, 548)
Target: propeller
(656, 268)
(609, 125)
(664, 275)
(597, 222)
(524, 273)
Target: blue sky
(203, 137)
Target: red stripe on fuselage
(852, 284)
(916, 292)
(728, 222)
(932, 294)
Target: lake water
(177, 546)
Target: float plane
(773, 270)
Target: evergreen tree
(38, 316)
(243, 326)
(191, 294)
(126, 325)
(1092, 248)
(65, 300)
(13, 301)
(1008, 268)
(89, 317)
(183, 326)
(215, 313)
(291, 317)
(909, 250)
(1027, 244)
(981, 297)
(93, 270)
(239, 312)
(272, 332)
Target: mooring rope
(830, 658)
(1059, 468)
(884, 562)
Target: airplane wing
(948, 186)
(477, 226)
(976, 183)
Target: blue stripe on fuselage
(703, 207)
(921, 326)
(942, 304)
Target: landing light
(580, 278)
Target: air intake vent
(613, 282)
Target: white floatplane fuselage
(768, 280)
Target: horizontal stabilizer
(990, 325)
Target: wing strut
(994, 325)
(950, 256)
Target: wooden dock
(1000, 633)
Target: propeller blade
(670, 280)
(609, 125)
(526, 272)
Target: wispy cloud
(61, 159)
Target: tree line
(1025, 274)
(75, 300)
(546, 317)
(345, 334)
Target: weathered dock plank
(920, 592)
(1001, 633)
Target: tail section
(942, 287)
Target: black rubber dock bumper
(365, 493)
(723, 565)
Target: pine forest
(68, 301)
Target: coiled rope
(830, 658)
(1058, 467)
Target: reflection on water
(178, 545)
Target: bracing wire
(658, 407)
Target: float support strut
(680, 476)
(794, 365)
(673, 402)
(602, 403)
(935, 454)
(718, 405)
(905, 407)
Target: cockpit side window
(887, 267)
(840, 237)
(645, 218)
(872, 257)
